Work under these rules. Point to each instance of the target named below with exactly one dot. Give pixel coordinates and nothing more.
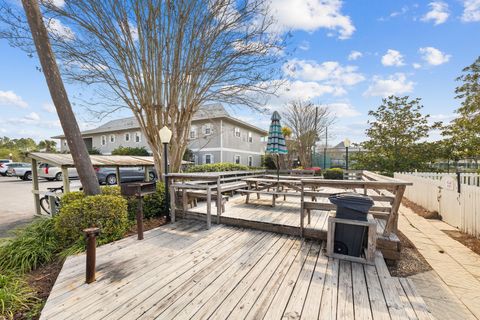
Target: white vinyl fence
(439, 192)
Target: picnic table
(279, 187)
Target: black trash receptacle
(349, 239)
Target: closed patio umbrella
(276, 141)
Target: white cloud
(471, 11)
(10, 98)
(289, 90)
(49, 107)
(434, 56)
(354, 55)
(329, 72)
(311, 15)
(56, 3)
(32, 116)
(305, 45)
(416, 65)
(438, 12)
(343, 109)
(392, 85)
(58, 29)
(393, 58)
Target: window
(64, 143)
(236, 159)
(112, 138)
(250, 161)
(104, 140)
(195, 159)
(138, 137)
(250, 138)
(208, 158)
(237, 132)
(193, 133)
(127, 136)
(207, 129)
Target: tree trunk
(59, 96)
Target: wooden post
(91, 235)
(302, 198)
(209, 207)
(140, 218)
(117, 173)
(146, 173)
(219, 200)
(172, 202)
(36, 195)
(66, 180)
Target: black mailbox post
(138, 190)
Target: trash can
(350, 239)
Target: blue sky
(344, 54)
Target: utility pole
(325, 149)
(312, 153)
(77, 146)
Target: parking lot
(16, 201)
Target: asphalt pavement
(16, 202)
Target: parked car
(49, 172)
(127, 174)
(3, 162)
(22, 171)
(4, 166)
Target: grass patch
(31, 247)
(16, 297)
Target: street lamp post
(346, 143)
(165, 137)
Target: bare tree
(308, 122)
(69, 124)
(164, 59)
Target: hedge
(333, 174)
(218, 167)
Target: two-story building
(215, 136)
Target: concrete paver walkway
(456, 265)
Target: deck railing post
(209, 207)
(219, 200)
(140, 218)
(91, 235)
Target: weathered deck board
(182, 271)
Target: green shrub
(111, 190)
(15, 295)
(334, 174)
(107, 212)
(130, 151)
(31, 247)
(218, 167)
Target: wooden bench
(274, 194)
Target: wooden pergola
(65, 161)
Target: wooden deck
(184, 271)
(284, 218)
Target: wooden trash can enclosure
(138, 190)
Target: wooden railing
(386, 192)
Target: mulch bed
(467, 240)
(411, 261)
(421, 211)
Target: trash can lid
(352, 200)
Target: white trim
(227, 149)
